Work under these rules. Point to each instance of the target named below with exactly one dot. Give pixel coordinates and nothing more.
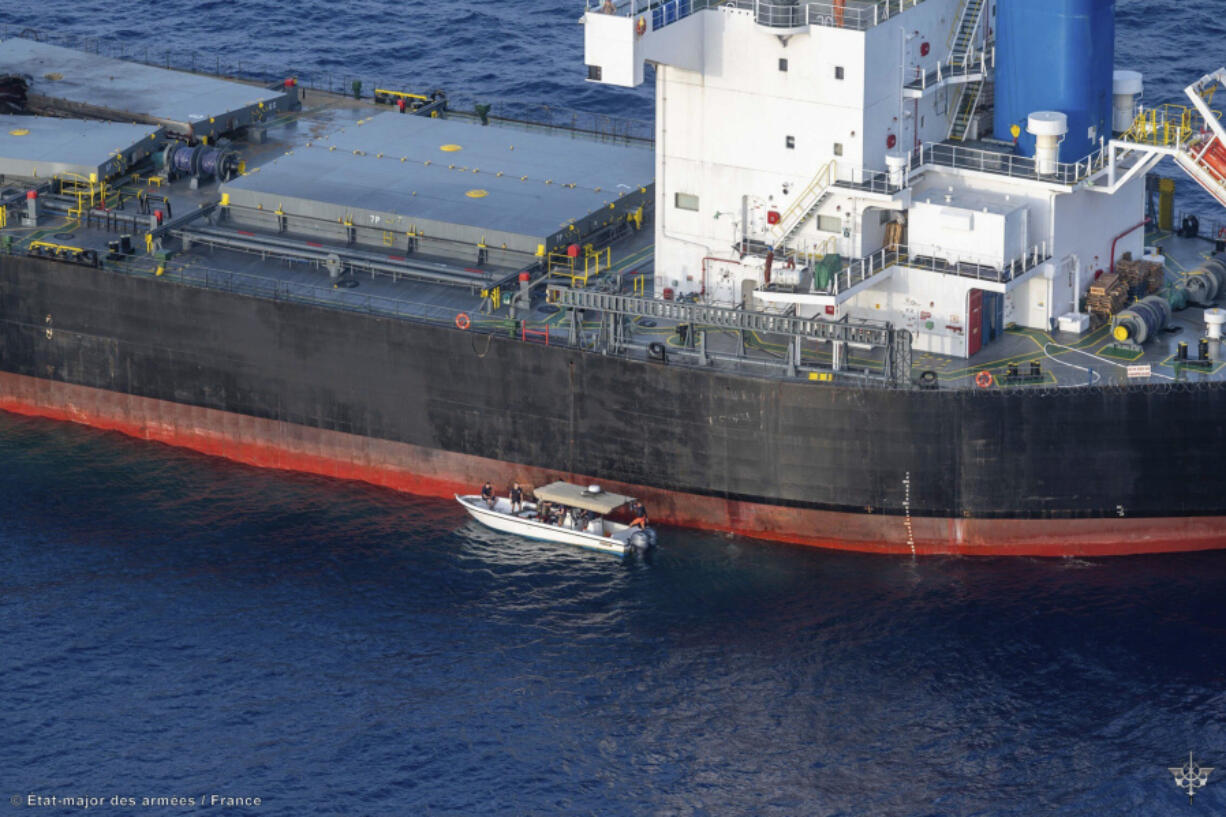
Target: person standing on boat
(517, 498)
(640, 515)
(487, 493)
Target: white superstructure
(790, 133)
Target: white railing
(949, 71)
(871, 181)
(934, 259)
(851, 14)
(943, 154)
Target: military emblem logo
(1191, 777)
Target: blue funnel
(1055, 55)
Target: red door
(974, 323)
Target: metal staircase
(961, 48)
(805, 206)
(968, 103)
(961, 54)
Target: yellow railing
(89, 192)
(1166, 126)
(401, 94)
(57, 249)
(1163, 126)
(812, 255)
(563, 265)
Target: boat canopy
(577, 496)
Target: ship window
(791, 142)
(830, 224)
(686, 201)
(838, 148)
(594, 73)
(783, 64)
(838, 72)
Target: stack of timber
(1144, 276)
(1108, 295)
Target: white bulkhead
(851, 137)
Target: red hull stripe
(429, 472)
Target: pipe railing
(934, 259)
(869, 181)
(858, 15)
(950, 70)
(943, 154)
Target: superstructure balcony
(1000, 160)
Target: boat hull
(498, 519)
(436, 411)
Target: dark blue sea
(175, 626)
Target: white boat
(599, 534)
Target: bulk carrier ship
(894, 275)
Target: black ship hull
(432, 409)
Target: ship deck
(1065, 360)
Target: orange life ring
(984, 380)
(462, 321)
(640, 27)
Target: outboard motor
(643, 540)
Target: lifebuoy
(641, 26)
(984, 380)
(462, 321)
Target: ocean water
(178, 626)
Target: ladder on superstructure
(964, 114)
(805, 206)
(961, 53)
